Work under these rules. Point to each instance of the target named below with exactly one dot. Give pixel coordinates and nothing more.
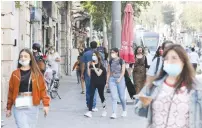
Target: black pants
(92, 93)
(194, 66)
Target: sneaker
(124, 114)
(104, 104)
(82, 92)
(113, 116)
(95, 110)
(108, 91)
(88, 114)
(104, 113)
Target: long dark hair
(34, 67)
(137, 50)
(187, 75)
(115, 50)
(157, 54)
(99, 58)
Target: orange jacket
(38, 89)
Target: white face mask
(113, 55)
(52, 51)
(24, 63)
(34, 50)
(94, 58)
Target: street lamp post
(116, 24)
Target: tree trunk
(105, 40)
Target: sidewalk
(69, 111)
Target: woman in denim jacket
(174, 100)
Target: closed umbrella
(126, 50)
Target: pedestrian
(53, 59)
(156, 65)
(77, 66)
(106, 62)
(36, 48)
(194, 58)
(26, 89)
(98, 75)
(174, 98)
(116, 82)
(139, 69)
(158, 56)
(148, 56)
(87, 57)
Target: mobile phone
(146, 100)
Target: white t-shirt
(194, 57)
(152, 68)
(149, 59)
(52, 62)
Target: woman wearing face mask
(176, 94)
(36, 48)
(139, 70)
(97, 73)
(53, 59)
(116, 81)
(159, 53)
(26, 90)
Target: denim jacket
(195, 106)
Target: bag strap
(29, 83)
(157, 65)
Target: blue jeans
(87, 83)
(78, 74)
(26, 117)
(117, 90)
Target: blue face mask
(172, 69)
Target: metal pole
(116, 24)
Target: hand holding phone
(146, 100)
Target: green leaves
(103, 9)
(168, 14)
(191, 16)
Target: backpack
(120, 62)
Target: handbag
(141, 110)
(24, 101)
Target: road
(68, 112)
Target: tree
(101, 11)
(151, 16)
(168, 14)
(191, 16)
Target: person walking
(26, 90)
(194, 58)
(87, 57)
(158, 56)
(36, 48)
(153, 70)
(97, 73)
(176, 90)
(139, 69)
(116, 82)
(53, 59)
(148, 56)
(77, 66)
